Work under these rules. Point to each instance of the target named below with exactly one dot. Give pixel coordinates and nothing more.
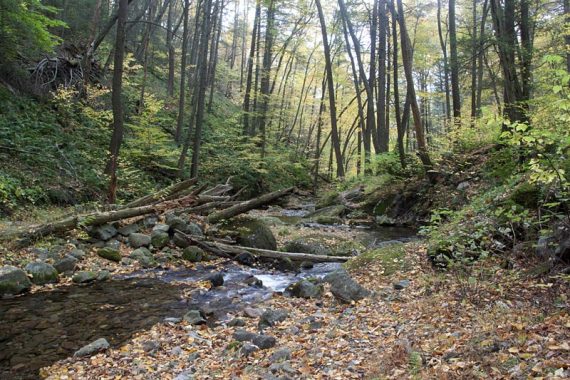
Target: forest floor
(488, 323)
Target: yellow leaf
(513, 350)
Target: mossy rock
(383, 205)
(84, 277)
(327, 199)
(392, 258)
(526, 195)
(13, 280)
(109, 254)
(144, 257)
(325, 245)
(252, 233)
(193, 254)
(42, 273)
(327, 215)
(159, 239)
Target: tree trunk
(248, 83)
(116, 99)
(332, 103)
(443, 45)
(454, 64)
(170, 47)
(183, 68)
(383, 129)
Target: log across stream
(41, 328)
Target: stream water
(41, 328)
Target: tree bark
(454, 64)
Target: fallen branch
(242, 207)
(281, 255)
(162, 195)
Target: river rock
(180, 240)
(42, 273)
(144, 257)
(113, 243)
(248, 349)
(128, 229)
(103, 275)
(194, 317)
(216, 279)
(264, 341)
(159, 239)
(236, 322)
(79, 254)
(109, 254)
(161, 227)
(245, 258)
(137, 240)
(252, 233)
(307, 265)
(193, 254)
(280, 355)
(308, 245)
(270, 318)
(403, 284)
(66, 265)
(83, 277)
(252, 312)
(327, 215)
(13, 280)
(344, 288)
(100, 344)
(305, 289)
(104, 232)
(243, 335)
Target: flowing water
(41, 328)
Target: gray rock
(100, 344)
(41, 273)
(307, 245)
(402, 284)
(251, 233)
(172, 320)
(463, 186)
(109, 254)
(79, 254)
(186, 375)
(103, 275)
(245, 258)
(344, 288)
(251, 312)
(129, 229)
(178, 223)
(176, 351)
(280, 355)
(307, 265)
(84, 277)
(180, 241)
(13, 280)
(137, 240)
(150, 346)
(563, 250)
(264, 341)
(327, 215)
(161, 227)
(248, 349)
(104, 232)
(272, 317)
(194, 317)
(236, 322)
(216, 279)
(66, 265)
(150, 221)
(113, 243)
(305, 289)
(193, 254)
(195, 229)
(243, 335)
(159, 239)
(144, 257)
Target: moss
(109, 254)
(329, 198)
(392, 258)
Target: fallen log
(295, 256)
(169, 192)
(242, 207)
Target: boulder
(144, 257)
(280, 355)
(178, 223)
(264, 341)
(41, 273)
(194, 317)
(243, 335)
(109, 254)
(305, 289)
(104, 232)
(79, 254)
(180, 241)
(159, 239)
(344, 288)
(270, 317)
(113, 243)
(248, 349)
(193, 254)
(13, 280)
(66, 265)
(99, 345)
(161, 227)
(308, 245)
(245, 258)
(250, 232)
(216, 279)
(103, 275)
(137, 240)
(328, 215)
(83, 277)
(129, 229)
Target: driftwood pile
(215, 204)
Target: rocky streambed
(46, 326)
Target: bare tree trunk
(443, 44)
(383, 129)
(250, 62)
(407, 59)
(454, 64)
(170, 46)
(183, 68)
(332, 103)
(116, 99)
